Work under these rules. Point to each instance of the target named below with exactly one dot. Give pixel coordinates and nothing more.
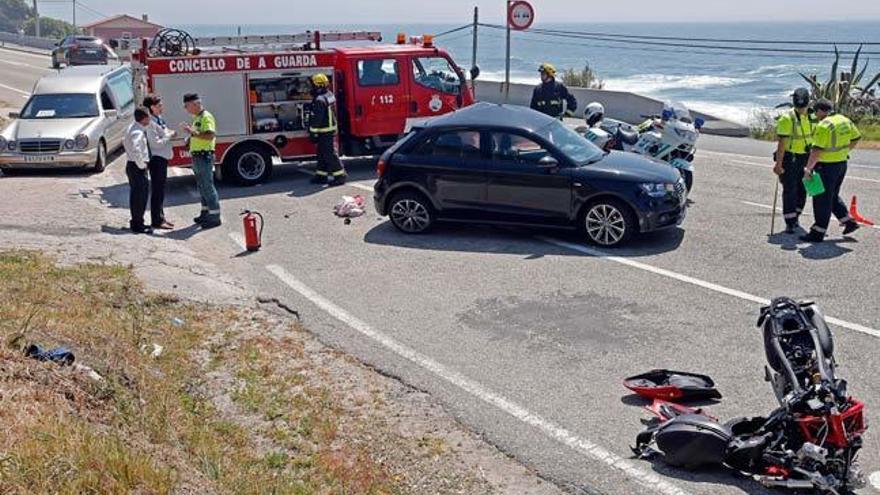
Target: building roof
(117, 17)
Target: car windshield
(575, 146)
(72, 106)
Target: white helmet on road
(594, 113)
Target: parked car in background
(81, 50)
(511, 165)
(74, 118)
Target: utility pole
(36, 20)
(476, 25)
(74, 16)
(507, 58)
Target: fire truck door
(436, 86)
(380, 97)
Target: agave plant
(844, 89)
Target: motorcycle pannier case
(692, 441)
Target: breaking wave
(653, 83)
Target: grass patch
(151, 425)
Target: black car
(81, 50)
(511, 165)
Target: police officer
(795, 132)
(834, 137)
(322, 129)
(202, 142)
(552, 97)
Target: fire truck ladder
(313, 37)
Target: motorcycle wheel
(688, 179)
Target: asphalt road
(526, 335)
(18, 73)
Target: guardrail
(29, 41)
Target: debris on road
(673, 385)
(60, 355)
(350, 207)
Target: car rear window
(70, 106)
(455, 144)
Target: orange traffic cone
(853, 212)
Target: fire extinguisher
(252, 236)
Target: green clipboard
(814, 186)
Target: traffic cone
(853, 212)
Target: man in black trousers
(137, 150)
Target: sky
(177, 12)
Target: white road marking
(235, 236)
(20, 64)
(16, 90)
(351, 184)
(761, 165)
(648, 479)
(875, 480)
(738, 155)
(176, 171)
(769, 207)
(695, 281)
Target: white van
(74, 118)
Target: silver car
(74, 118)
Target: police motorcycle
(809, 443)
(670, 137)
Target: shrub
(584, 78)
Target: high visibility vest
(833, 136)
(328, 100)
(798, 129)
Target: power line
(553, 33)
(460, 28)
(712, 40)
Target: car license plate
(39, 159)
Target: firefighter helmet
(320, 81)
(547, 69)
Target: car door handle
(578, 184)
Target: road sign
(520, 15)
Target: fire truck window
(436, 73)
(378, 72)
(462, 144)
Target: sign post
(520, 16)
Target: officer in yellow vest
(202, 143)
(322, 129)
(833, 139)
(795, 132)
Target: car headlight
(657, 190)
(69, 144)
(11, 146)
(82, 142)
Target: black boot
(211, 221)
(338, 180)
(318, 179)
(200, 219)
(850, 227)
(791, 228)
(813, 236)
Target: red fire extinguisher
(252, 236)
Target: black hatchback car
(81, 50)
(511, 165)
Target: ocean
(731, 85)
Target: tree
(49, 28)
(13, 14)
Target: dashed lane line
(651, 481)
(695, 281)
(769, 207)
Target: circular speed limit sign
(520, 15)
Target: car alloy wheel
(605, 224)
(410, 215)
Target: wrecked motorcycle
(810, 442)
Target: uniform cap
(190, 97)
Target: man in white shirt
(137, 150)
(159, 137)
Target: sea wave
(653, 83)
(739, 112)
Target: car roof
(493, 115)
(77, 79)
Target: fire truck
(258, 89)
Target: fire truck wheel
(248, 165)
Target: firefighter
(795, 132)
(552, 97)
(834, 137)
(202, 142)
(322, 130)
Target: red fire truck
(261, 97)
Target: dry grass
(155, 425)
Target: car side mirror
(14, 115)
(548, 162)
(111, 114)
(475, 73)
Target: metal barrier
(28, 41)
